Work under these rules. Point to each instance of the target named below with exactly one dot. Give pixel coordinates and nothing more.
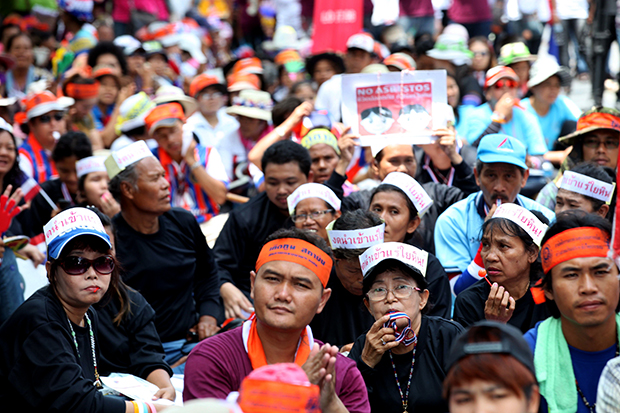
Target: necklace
(592, 407)
(97, 382)
(405, 399)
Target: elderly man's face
(501, 181)
(152, 195)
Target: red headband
(300, 252)
(81, 91)
(574, 243)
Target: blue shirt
(101, 118)
(587, 366)
(523, 126)
(461, 123)
(458, 230)
(563, 109)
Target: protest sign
(399, 107)
(334, 22)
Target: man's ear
(603, 210)
(127, 189)
(526, 174)
(476, 176)
(252, 281)
(327, 292)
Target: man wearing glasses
(503, 114)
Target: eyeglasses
(74, 265)
(313, 215)
(401, 292)
(48, 118)
(509, 83)
(480, 54)
(594, 143)
(214, 95)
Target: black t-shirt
(469, 307)
(133, 346)
(40, 368)
(173, 269)
(343, 318)
(238, 245)
(435, 338)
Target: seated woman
(403, 344)
(93, 182)
(510, 255)
(127, 335)
(48, 348)
(313, 206)
(400, 201)
(491, 366)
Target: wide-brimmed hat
(514, 53)
(545, 67)
(252, 104)
(596, 118)
(168, 93)
(453, 48)
(333, 58)
(132, 112)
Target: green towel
(555, 376)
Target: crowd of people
(186, 176)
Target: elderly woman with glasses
(312, 206)
(403, 356)
(48, 348)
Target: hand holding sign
(8, 208)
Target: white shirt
(572, 9)
(329, 97)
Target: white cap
(409, 255)
(312, 190)
(121, 159)
(192, 45)
(362, 41)
(524, 219)
(587, 186)
(355, 239)
(414, 191)
(90, 164)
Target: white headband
(524, 219)
(90, 164)
(405, 253)
(121, 159)
(312, 190)
(588, 186)
(355, 239)
(414, 191)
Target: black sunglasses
(74, 265)
(48, 118)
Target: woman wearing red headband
(85, 91)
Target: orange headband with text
(599, 120)
(259, 396)
(300, 252)
(574, 243)
(81, 92)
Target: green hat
(514, 53)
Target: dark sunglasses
(509, 83)
(48, 118)
(74, 265)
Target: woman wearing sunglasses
(403, 357)
(48, 347)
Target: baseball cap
(38, 104)
(203, 81)
(70, 224)
(362, 41)
(401, 61)
(242, 81)
(500, 148)
(164, 115)
(514, 53)
(499, 72)
(511, 342)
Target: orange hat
(164, 115)
(38, 104)
(286, 56)
(243, 81)
(499, 72)
(202, 82)
(106, 71)
(248, 65)
(401, 61)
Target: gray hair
(130, 175)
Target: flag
(30, 188)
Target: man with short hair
(196, 176)
(582, 291)
(587, 187)
(289, 288)
(211, 124)
(286, 165)
(164, 254)
(500, 172)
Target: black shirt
(34, 218)
(238, 245)
(173, 269)
(343, 318)
(133, 346)
(435, 338)
(40, 368)
(469, 307)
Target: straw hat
(168, 93)
(545, 67)
(254, 104)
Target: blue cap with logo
(69, 224)
(500, 148)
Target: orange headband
(300, 252)
(574, 243)
(81, 92)
(599, 120)
(259, 396)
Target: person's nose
(587, 285)
(402, 168)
